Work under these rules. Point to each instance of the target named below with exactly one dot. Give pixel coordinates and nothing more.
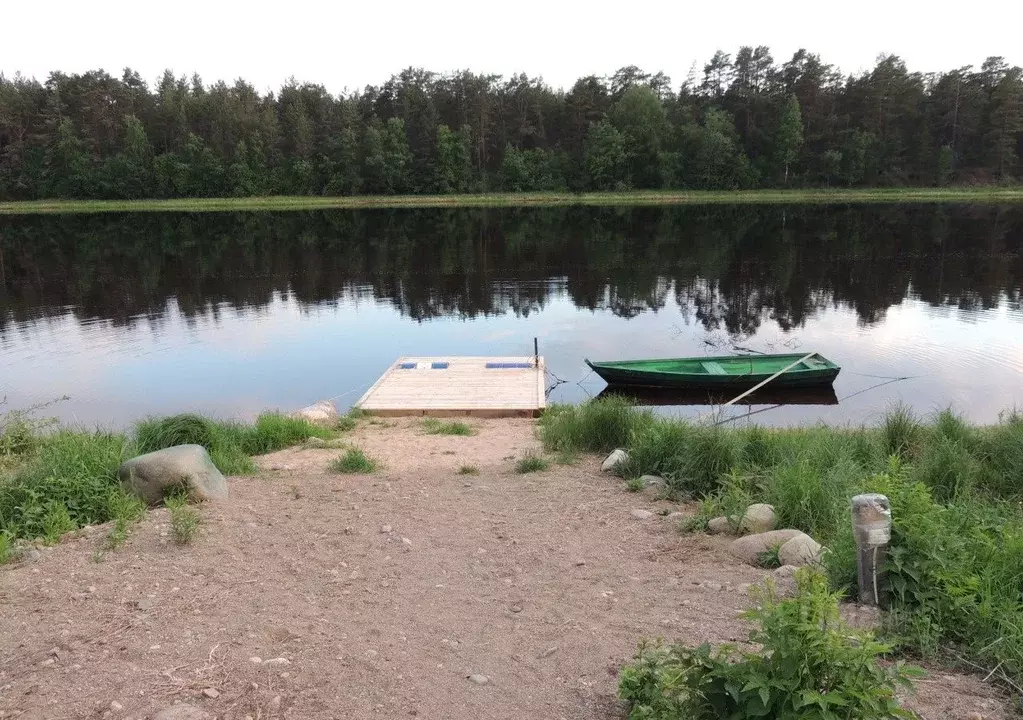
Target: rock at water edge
(152, 475)
(322, 412)
(614, 460)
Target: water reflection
(146, 313)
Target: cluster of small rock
(757, 526)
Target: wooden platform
(448, 386)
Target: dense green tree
(342, 167)
(788, 139)
(1006, 121)
(68, 164)
(514, 174)
(129, 174)
(640, 118)
(98, 135)
(711, 156)
(607, 158)
(453, 164)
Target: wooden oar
(756, 387)
(764, 382)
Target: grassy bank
(632, 198)
(53, 481)
(956, 564)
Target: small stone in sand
(479, 679)
(641, 514)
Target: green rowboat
(737, 372)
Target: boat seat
(713, 368)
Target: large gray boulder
(748, 548)
(323, 412)
(719, 526)
(799, 551)
(152, 475)
(758, 518)
(613, 461)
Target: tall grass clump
(223, 440)
(692, 458)
(352, 462)
(900, 432)
(531, 463)
(947, 466)
(1001, 449)
(760, 447)
(276, 431)
(594, 426)
(70, 480)
(184, 519)
(230, 444)
(810, 499)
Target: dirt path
(377, 596)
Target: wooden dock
(451, 386)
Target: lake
(147, 314)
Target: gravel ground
(412, 592)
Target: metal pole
(536, 352)
(872, 530)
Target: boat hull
(619, 374)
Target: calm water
(152, 314)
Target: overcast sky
(348, 45)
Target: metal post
(536, 352)
(872, 530)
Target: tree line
(728, 267)
(745, 122)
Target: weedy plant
(185, 519)
(469, 470)
(531, 463)
(634, 484)
(352, 462)
(769, 558)
(6, 547)
(433, 426)
(811, 665)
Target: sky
(347, 45)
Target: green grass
(957, 552)
(634, 484)
(636, 197)
(6, 547)
(230, 444)
(591, 427)
(185, 519)
(354, 461)
(70, 480)
(469, 470)
(54, 480)
(433, 426)
(531, 463)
